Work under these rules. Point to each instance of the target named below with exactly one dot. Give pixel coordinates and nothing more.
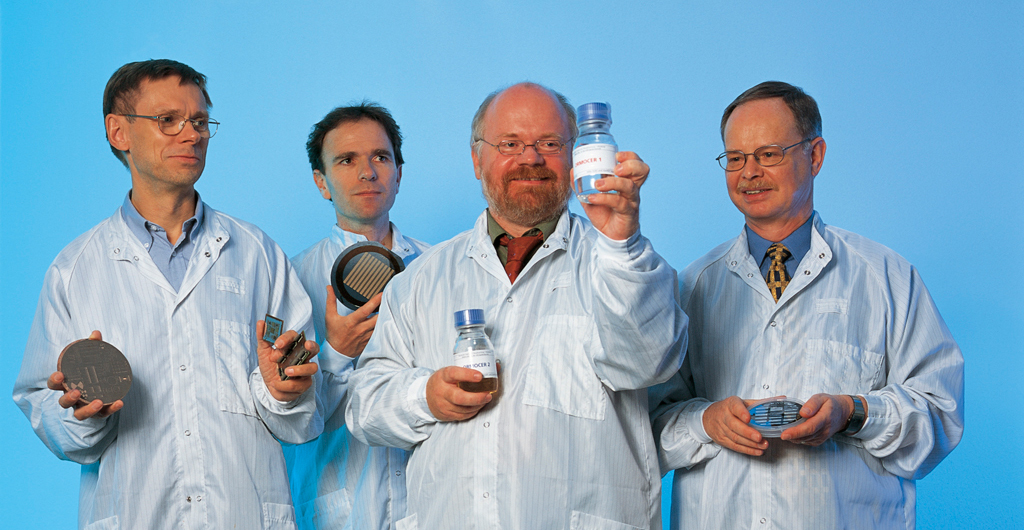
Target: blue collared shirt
(171, 260)
(798, 243)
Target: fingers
(55, 381)
(332, 302)
(447, 401)
(300, 379)
(370, 307)
(95, 335)
(726, 422)
(631, 166)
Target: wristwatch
(857, 419)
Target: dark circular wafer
(96, 368)
(362, 271)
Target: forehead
(760, 122)
(525, 112)
(357, 135)
(169, 94)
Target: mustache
(530, 173)
(758, 184)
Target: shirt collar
(143, 229)
(798, 243)
(494, 230)
(399, 245)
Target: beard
(531, 207)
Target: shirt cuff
(262, 394)
(628, 249)
(417, 399)
(696, 423)
(327, 349)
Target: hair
(804, 108)
(122, 88)
(477, 128)
(364, 110)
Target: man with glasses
(583, 317)
(338, 481)
(181, 290)
(797, 308)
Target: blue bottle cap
(469, 317)
(594, 111)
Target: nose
(530, 156)
(752, 168)
(189, 133)
(367, 173)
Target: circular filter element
(96, 368)
(772, 416)
(362, 271)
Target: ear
(817, 155)
(321, 184)
(475, 153)
(398, 179)
(117, 132)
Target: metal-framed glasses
(767, 156)
(518, 147)
(172, 124)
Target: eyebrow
(177, 112)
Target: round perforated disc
(362, 271)
(96, 368)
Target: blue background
(922, 107)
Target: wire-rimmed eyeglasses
(767, 156)
(172, 124)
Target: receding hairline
(480, 117)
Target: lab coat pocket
(585, 521)
(231, 343)
(110, 523)
(840, 368)
(278, 517)
(560, 375)
(409, 523)
(324, 510)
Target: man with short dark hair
(797, 308)
(583, 317)
(181, 290)
(338, 481)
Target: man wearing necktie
(583, 315)
(798, 308)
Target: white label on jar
(479, 360)
(593, 159)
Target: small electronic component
(772, 416)
(96, 368)
(297, 354)
(274, 328)
(362, 271)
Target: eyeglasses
(517, 147)
(767, 156)
(172, 125)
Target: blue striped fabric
(337, 481)
(855, 319)
(587, 326)
(194, 445)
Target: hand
(349, 334)
(826, 415)
(300, 377)
(70, 399)
(727, 423)
(447, 401)
(618, 216)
